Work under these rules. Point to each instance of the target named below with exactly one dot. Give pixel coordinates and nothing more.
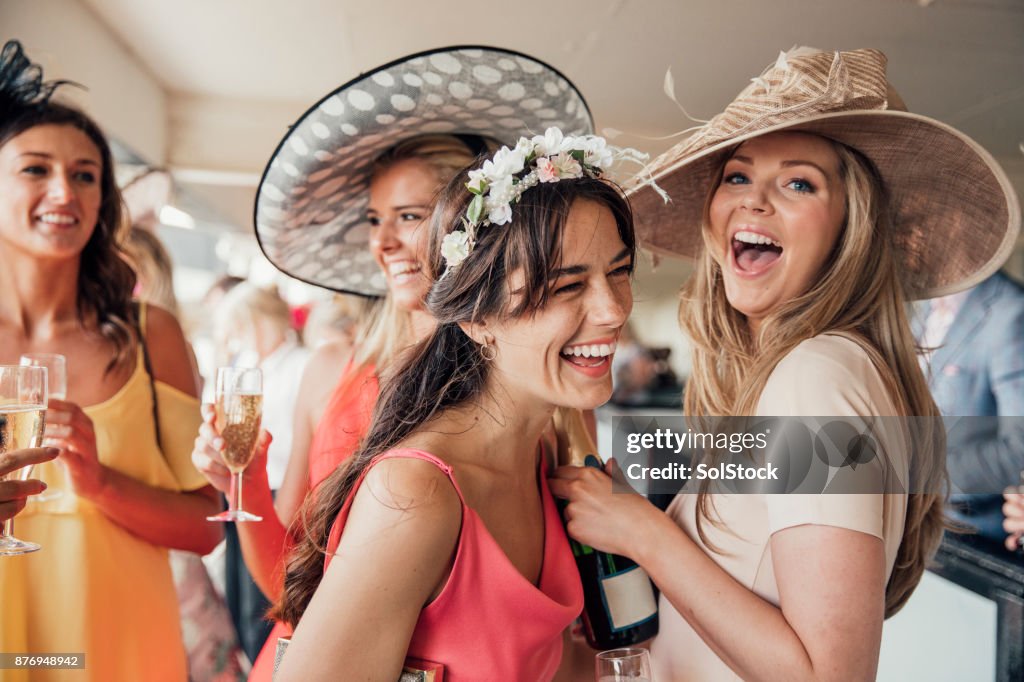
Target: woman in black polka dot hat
(343, 205)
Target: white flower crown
(497, 184)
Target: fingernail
(53, 451)
(592, 461)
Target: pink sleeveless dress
(345, 421)
(489, 622)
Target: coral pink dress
(489, 622)
(345, 421)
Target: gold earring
(487, 351)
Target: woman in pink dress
(375, 172)
(438, 544)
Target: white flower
(506, 162)
(500, 191)
(477, 180)
(500, 214)
(455, 247)
(524, 146)
(596, 152)
(552, 142)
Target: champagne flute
(237, 413)
(623, 665)
(22, 420)
(57, 387)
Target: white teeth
(57, 219)
(754, 238)
(592, 350)
(403, 267)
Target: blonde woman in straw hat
(815, 209)
(343, 205)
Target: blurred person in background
(209, 355)
(336, 320)
(973, 355)
(1013, 511)
(384, 181)
(206, 623)
(632, 369)
(102, 584)
(153, 266)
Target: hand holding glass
(238, 411)
(22, 419)
(623, 665)
(57, 387)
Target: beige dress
(828, 375)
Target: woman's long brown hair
(446, 369)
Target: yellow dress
(95, 588)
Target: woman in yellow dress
(101, 585)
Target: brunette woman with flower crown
(439, 543)
(343, 205)
(814, 210)
(101, 585)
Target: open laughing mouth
(593, 359)
(754, 253)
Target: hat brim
(956, 216)
(310, 207)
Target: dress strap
(143, 360)
(412, 453)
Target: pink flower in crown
(546, 171)
(567, 166)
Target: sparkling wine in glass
(57, 387)
(623, 665)
(238, 410)
(22, 420)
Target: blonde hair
(246, 306)
(858, 293)
(388, 328)
(151, 262)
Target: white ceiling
(238, 72)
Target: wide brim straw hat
(955, 214)
(311, 202)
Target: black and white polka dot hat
(311, 202)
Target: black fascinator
(21, 82)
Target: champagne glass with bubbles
(22, 420)
(237, 414)
(623, 665)
(57, 387)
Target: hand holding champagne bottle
(620, 607)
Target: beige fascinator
(955, 215)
